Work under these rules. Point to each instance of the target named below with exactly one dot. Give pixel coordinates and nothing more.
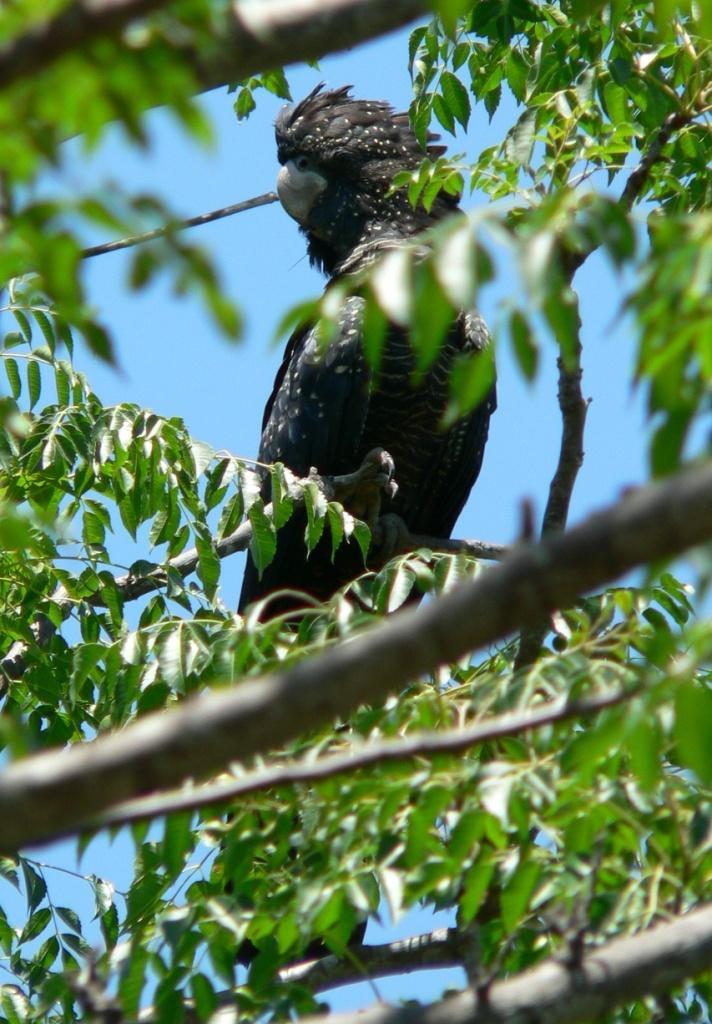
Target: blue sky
(173, 361)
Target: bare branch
(444, 947)
(573, 407)
(613, 975)
(422, 744)
(255, 36)
(181, 225)
(57, 791)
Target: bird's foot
(362, 491)
(390, 535)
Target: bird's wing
(318, 406)
(456, 457)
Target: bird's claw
(363, 490)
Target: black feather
(328, 409)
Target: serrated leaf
(34, 382)
(202, 454)
(34, 885)
(24, 324)
(70, 917)
(208, 567)
(316, 506)
(62, 384)
(36, 924)
(13, 376)
(45, 325)
(231, 516)
(456, 97)
(103, 894)
(263, 544)
(395, 585)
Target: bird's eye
(301, 163)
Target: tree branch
(57, 791)
(572, 404)
(181, 225)
(573, 407)
(131, 586)
(654, 153)
(613, 975)
(442, 948)
(254, 37)
(421, 744)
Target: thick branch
(610, 976)
(422, 744)
(255, 36)
(444, 947)
(55, 791)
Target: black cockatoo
(329, 409)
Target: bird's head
(339, 156)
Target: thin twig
(573, 407)
(422, 744)
(181, 225)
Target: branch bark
(609, 976)
(422, 744)
(573, 407)
(53, 792)
(254, 36)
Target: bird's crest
(330, 123)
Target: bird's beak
(298, 191)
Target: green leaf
(70, 917)
(525, 349)
(316, 505)
(204, 996)
(34, 885)
(24, 324)
(177, 841)
(13, 377)
(475, 885)
(34, 382)
(263, 543)
(208, 567)
(456, 97)
(231, 516)
(517, 894)
(394, 585)
(62, 384)
(45, 325)
(693, 729)
(36, 924)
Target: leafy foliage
(620, 804)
